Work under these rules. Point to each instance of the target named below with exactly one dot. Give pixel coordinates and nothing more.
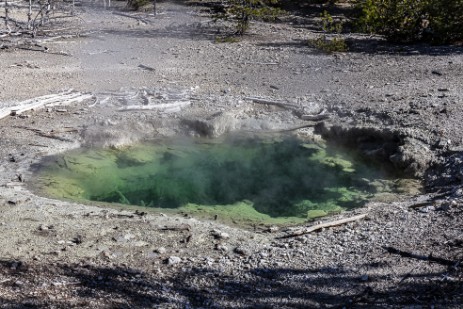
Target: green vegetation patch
(267, 180)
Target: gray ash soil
(393, 103)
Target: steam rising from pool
(274, 179)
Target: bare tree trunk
(47, 13)
(6, 15)
(29, 16)
(154, 7)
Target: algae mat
(278, 179)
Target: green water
(269, 180)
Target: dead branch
(64, 98)
(178, 104)
(138, 18)
(322, 225)
(422, 204)
(317, 117)
(270, 102)
(145, 67)
(261, 63)
(52, 134)
(180, 227)
(309, 125)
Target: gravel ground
(395, 104)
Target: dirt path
(59, 254)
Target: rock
(242, 251)
(160, 250)
(172, 260)
(78, 239)
(219, 234)
(272, 229)
(221, 247)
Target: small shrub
(336, 44)
(227, 39)
(243, 11)
(137, 4)
(437, 21)
(330, 25)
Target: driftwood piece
(260, 63)
(275, 103)
(317, 227)
(52, 134)
(180, 227)
(165, 106)
(78, 98)
(316, 117)
(309, 125)
(147, 68)
(422, 204)
(64, 98)
(138, 18)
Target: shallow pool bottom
(274, 180)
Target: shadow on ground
(180, 286)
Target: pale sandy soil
(59, 254)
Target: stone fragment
(172, 260)
(160, 250)
(241, 251)
(219, 234)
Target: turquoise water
(271, 179)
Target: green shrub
(437, 21)
(329, 24)
(137, 4)
(336, 44)
(243, 11)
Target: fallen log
(271, 102)
(320, 226)
(50, 100)
(316, 117)
(178, 104)
(309, 125)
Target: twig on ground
(322, 225)
(422, 204)
(138, 18)
(180, 227)
(271, 102)
(309, 125)
(322, 115)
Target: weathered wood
(316, 117)
(322, 225)
(309, 125)
(64, 98)
(178, 104)
(271, 102)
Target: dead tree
(7, 26)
